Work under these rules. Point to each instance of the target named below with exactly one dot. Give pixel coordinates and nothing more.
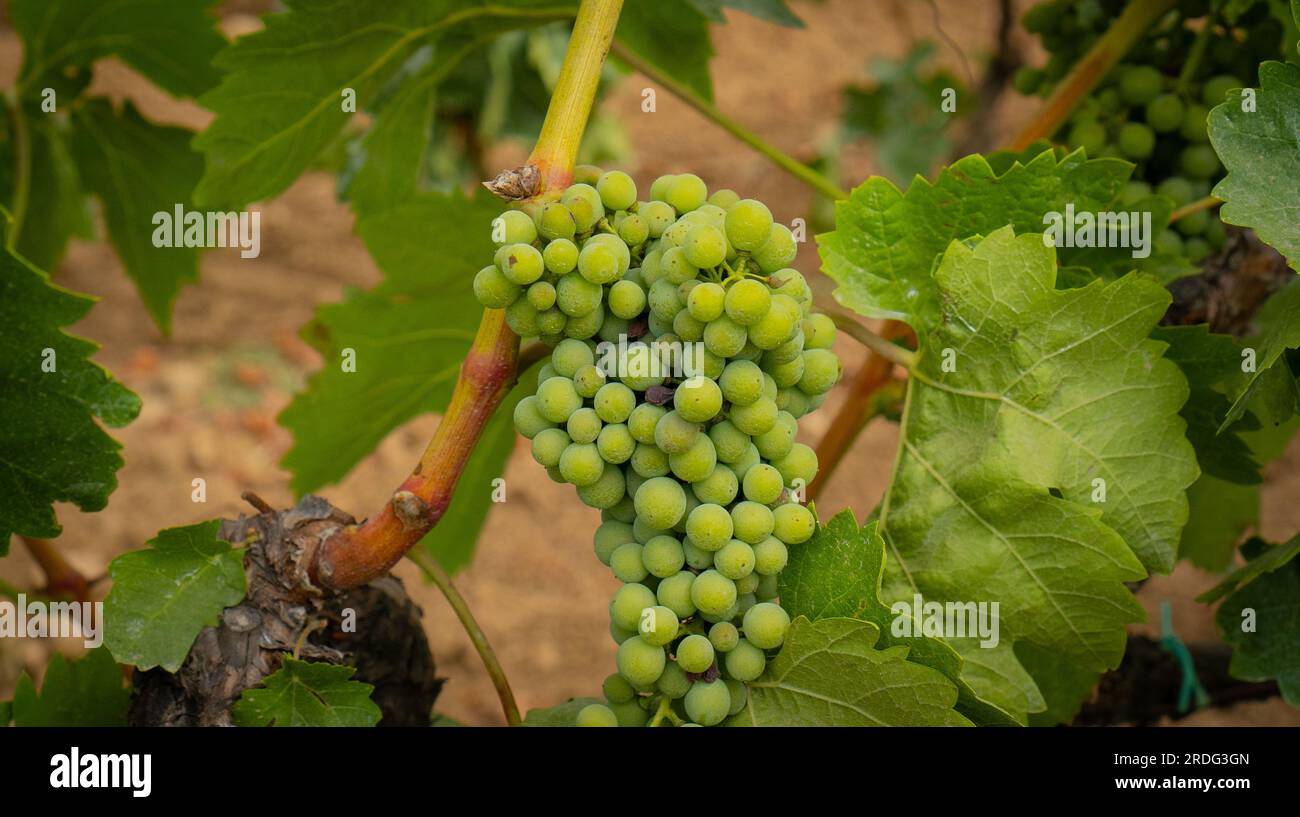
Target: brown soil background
(212, 391)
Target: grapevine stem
(61, 578)
(22, 169)
(1194, 56)
(789, 164)
(1194, 207)
(438, 576)
(878, 345)
(1122, 35)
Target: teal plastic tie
(1171, 643)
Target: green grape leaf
(164, 596)
(565, 714)
(672, 35)
(886, 241)
(57, 208)
(1009, 448)
(86, 692)
(1260, 148)
(1267, 558)
(1219, 514)
(6, 713)
(830, 673)
(772, 11)
(282, 97)
(1063, 683)
(1279, 324)
(838, 572)
(172, 42)
(139, 169)
(307, 693)
(1261, 621)
(51, 448)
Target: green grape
(793, 285)
(1196, 249)
(746, 585)
(787, 374)
(1195, 121)
(605, 492)
(708, 703)
(621, 511)
(767, 588)
(706, 301)
(675, 434)
(557, 399)
(1137, 141)
(615, 444)
(617, 190)
(696, 559)
(551, 322)
(1193, 224)
(1134, 191)
(596, 715)
(634, 230)
(735, 560)
(705, 247)
(793, 523)
(609, 537)
(674, 592)
(1027, 80)
(571, 355)
(621, 253)
(659, 188)
(1199, 161)
(658, 216)
(541, 295)
(576, 296)
(561, 256)
(713, 593)
(617, 690)
(779, 325)
(696, 462)
(1139, 84)
(756, 418)
(1178, 189)
(640, 367)
(718, 488)
(799, 464)
(588, 380)
(739, 695)
(640, 662)
(748, 224)
(658, 625)
(762, 484)
(741, 382)
(1165, 113)
(1216, 89)
(724, 337)
(677, 267)
(745, 601)
(745, 662)
(664, 301)
(626, 299)
(747, 460)
(513, 227)
(770, 557)
(686, 192)
(661, 502)
(777, 251)
(494, 290)
(584, 203)
(583, 327)
(695, 654)
(751, 521)
(687, 327)
(673, 684)
(548, 445)
(554, 221)
(626, 606)
(723, 198)
(581, 464)
(643, 420)
(598, 263)
(793, 402)
(723, 637)
(1216, 234)
(1042, 18)
(709, 526)
(1169, 242)
(528, 418)
(747, 302)
(630, 714)
(663, 556)
(649, 461)
(584, 425)
(821, 371)
(818, 331)
(1088, 134)
(522, 264)
(778, 441)
(587, 174)
(765, 625)
(697, 399)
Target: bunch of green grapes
(685, 351)
(1152, 109)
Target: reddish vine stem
(356, 554)
(62, 580)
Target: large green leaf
(1219, 514)
(57, 209)
(164, 596)
(565, 714)
(280, 101)
(138, 169)
(1261, 150)
(838, 573)
(1265, 559)
(830, 673)
(172, 42)
(1261, 621)
(86, 692)
(1279, 325)
(305, 693)
(1051, 396)
(673, 35)
(51, 448)
(886, 242)
(773, 11)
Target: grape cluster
(685, 350)
(1152, 109)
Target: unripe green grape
(762, 484)
(723, 637)
(658, 625)
(617, 690)
(708, 703)
(549, 445)
(745, 662)
(777, 251)
(747, 460)
(643, 420)
(779, 325)
(1088, 134)
(631, 714)
(744, 601)
(621, 253)
(649, 461)
(596, 715)
(1169, 242)
(675, 434)
(792, 284)
(787, 374)
(770, 558)
(1216, 89)
(1196, 249)
(541, 295)
(658, 216)
(673, 684)
(583, 425)
(821, 371)
(634, 230)
(799, 464)
(598, 263)
(793, 523)
(695, 654)
(746, 585)
(551, 322)
(626, 605)
(818, 331)
(751, 521)
(581, 464)
(584, 327)
(612, 330)
(584, 203)
(709, 526)
(719, 487)
(528, 418)
(626, 565)
(561, 256)
(663, 300)
(639, 368)
(730, 442)
(554, 221)
(739, 695)
(659, 327)
(794, 402)
(642, 530)
(588, 380)
(756, 418)
(676, 266)
(576, 296)
(617, 190)
(1178, 189)
(1199, 161)
(663, 556)
(767, 588)
(557, 399)
(723, 198)
(622, 511)
(741, 382)
(1216, 234)
(1139, 84)
(688, 328)
(675, 235)
(724, 337)
(514, 227)
(1136, 141)
(1193, 224)
(640, 662)
(522, 264)
(659, 187)
(713, 593)
(706, 301)
(615, 444)
(1195, 121)
(705, 247)
(571, 355)
(494, 290)
(765, 625)
(697, 399)
(749, 223)
(747, 302)
(777, 442)
(674, 592)
(554, 474)
(686, 192)
(587, 174)
(696, 558)
(605, 492)
(735, 560)
(1027, 80)
(626, 299)
(696, 462)
(661, 502)
(1165, 113)
(609, 537)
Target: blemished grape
(684, 348)
(596, 715)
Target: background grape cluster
(685, 350)
(1152, 108)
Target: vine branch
(62, 580)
